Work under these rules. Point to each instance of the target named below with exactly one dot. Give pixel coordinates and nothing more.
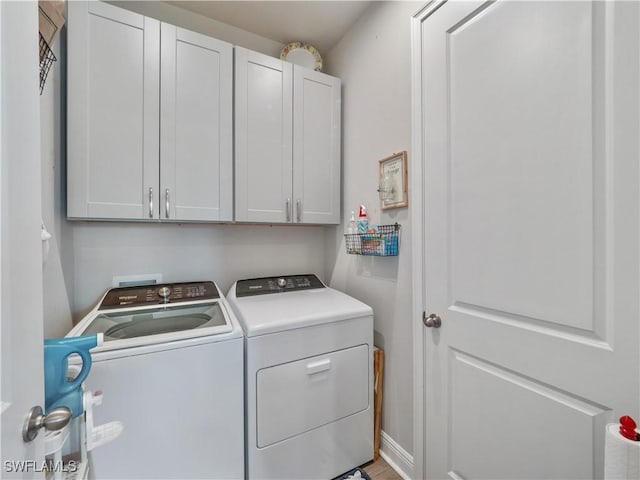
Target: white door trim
(417, 214)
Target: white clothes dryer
(171, 370)
(309, 377)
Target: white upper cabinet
(113, 112)
(196, 170)
(136, 149)
(150, 127)
(316, 146)
(287, 157)
(263, 128)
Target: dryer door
(299, 396)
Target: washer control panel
(286, 283)
(159, 294)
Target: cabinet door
(113, 112)
(316, 146)
(263, 138)
(196, 177)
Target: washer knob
(164, 293)
(282, 282)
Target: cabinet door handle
(298, 209)
(166, 203)
(150, 202)
(288, 209)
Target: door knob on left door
(56, 419)
(431, 321)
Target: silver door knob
(56, 419)
(432, 321)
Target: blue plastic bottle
(59, 391)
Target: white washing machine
(171, 369)
(309, 377)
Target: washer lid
(264, 314)
(157, 323)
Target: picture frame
(393, 181)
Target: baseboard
(396, 456)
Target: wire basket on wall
(384, 242)
(46, 61)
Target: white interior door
(21, 366)
(528, 127)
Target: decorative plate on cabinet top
(302, 54)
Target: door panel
(480, 410)
(113, 112)
(316, 146)
(22, 362)
(263, 133)
(529, 127)
(522, 202)
(196, 136)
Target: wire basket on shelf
(46, 61)
(384, 242)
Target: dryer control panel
(159, 294)
(286, 283)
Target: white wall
(58, 280)
(201, 24)
(84, 256)
(184, 252)
(373, 61)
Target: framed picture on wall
(393, 181)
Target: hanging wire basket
(46, 61)
(384, 242)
